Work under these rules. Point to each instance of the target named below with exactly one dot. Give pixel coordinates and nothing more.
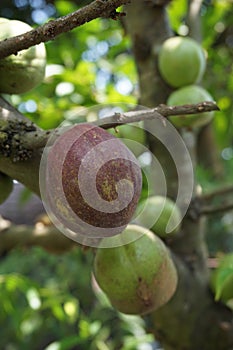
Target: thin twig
(194, 19)
(48, 31)
(218, 192)
(162, 111)
(209, 210)
(205, 106)
(38, 139)
(47, 237)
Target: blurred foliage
(98, 69)
(49, 302)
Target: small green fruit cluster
(182, 63)
(138, 277)
(25, 70)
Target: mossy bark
(15, 161)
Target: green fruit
(138, 277)
(6, 187)
(25, 70)
(191, 94)
(181, 61)
(160, 214)
(133, 137)
(93, 178)
(2, 19)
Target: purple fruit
(93, 181)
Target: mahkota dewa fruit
(6, 187)
(191, 94)
(181, 61)
(160, 214)
(138, 277)
(93, 180)
(25, 69)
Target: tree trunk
(209, 159)
(191, 320)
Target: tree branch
(199, 205)
(14, 125)
(210, 210)
(47, 237)
(22, 142)
(48, 31)
(218, 192)
(193, 19)
(162, 111)
(29, 137)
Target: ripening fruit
(93, 180)
(181, 61)
(6, 187)
(26, 69)
(188, 95)
(138, 277)
(160, 214)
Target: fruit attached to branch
(138, 277)
(181, 61)
(93, 182)
(188, 95)
(24, 70)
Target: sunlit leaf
(223, 279)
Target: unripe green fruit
(25, 70)
(133, 137)
(160, 214)
(2, 19)
(138, 277)
(181, 61)
(6, 187)
(191, 94)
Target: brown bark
(207, 149)
(16, 161)
(208, 152)
(191, 320)
(41, 235)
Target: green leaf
(65, 343)
(222, 279)
(177, 11)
